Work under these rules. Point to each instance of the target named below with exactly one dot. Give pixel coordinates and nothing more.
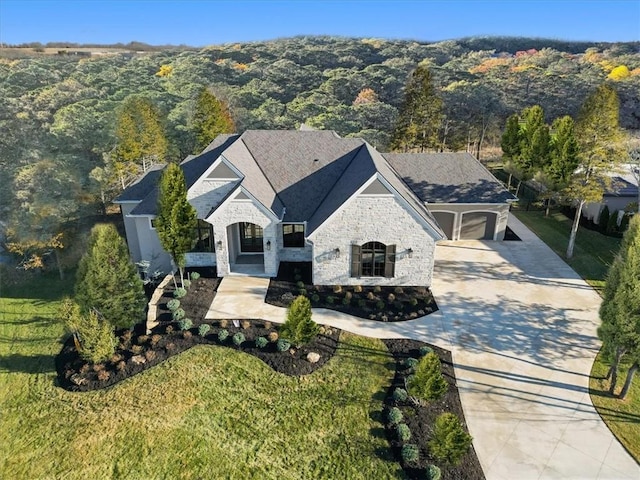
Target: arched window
(373, 259)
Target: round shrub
(195, 276)
(357, 289)
(186, 283)
(303, 292)
(238, 338)
(173, 304)
(403, 432)
(424, 350)
(413, 302)
(380, 305)
(371, 296)
(394, 415)
(362, 303)
(315, 298)
(391, 298)
(223, 334)
(185, 324)
(398, 290)
(337, 289)
(400, 395)
(178, 315)
(273, 337)
(331, 299)
(348, 295)
(346, 301)
(300, 284)
(283, 345)
(410, 362)
(377, 289)
(261, 342)
(204, 329)
(450, 441)
(179, 292)
(434, 472)
(410, 453)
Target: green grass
(592, 256)
(593, 252)
(210, 412)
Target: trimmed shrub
(267, 325)
(302, 292)
(204, 329)
(261, 342)
(299, 328)
(103, 375)
(391, 298)
(283, 345)
(155, 338)
(331, 299)
(410, 453)
(410, 363)
(93, 335)
(245, 324)
(362, 303)
(357, 289)
(223, 323)
(178, 315)
(394, 415)
(150, 355)
(185, 324)
(300, 284)
(315, 298)
(223, 334)
(371, 296)
(142, 339)
(187, 334)
(173, 304)
(169, 329)
(377, 289)
(194, 276)
(273, 337)
(348, 295)
(450, 442)
(346, 301)
(179, 292)
(413, 301)
(400, 395)
(337, 289)
(403, 432)
(603, 220)
(612, 226)
(380, 305)
(434, 472)
(428, 383)
(186, 283)
(398, 290)
(425, 350)
(238, 339)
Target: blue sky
(207, 22)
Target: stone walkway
(521, 326)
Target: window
(293, 234)
(204, 237)
(373, 259)
(153, 223)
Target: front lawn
(593, 252)
(209, 412)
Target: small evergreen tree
(450, 442)
(428, 383)
(108, 282)
(211, 118)
(299, 327)
(563, 150)
(93, 336)
(612, 225)
(177, 219)
(511, 138)
(603, 219)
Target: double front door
(250, 238)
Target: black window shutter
(356, 261)
(390, 261)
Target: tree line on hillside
(74, 131)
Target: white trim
(126, 201)
(479, 205)
(151, 219)
(202, 178)
(239, 188)
(455, 222)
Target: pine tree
(211, 118)
(177, 219)
(533, 120)
(93, 336)
(108, 282)
(620, 310)
(563, 150)
(428, 383)
(599, 141)
(450, 442)
(299, 327)
(420, 116)
(511, 138)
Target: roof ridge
(263, 174)
(355, 154)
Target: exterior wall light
(410, 252)
(336, 253)
(219, 244)
(268, 244)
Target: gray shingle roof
(143, 186)
(621, 188)
(448, 178)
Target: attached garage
(446, 220)
(478, 226)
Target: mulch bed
(138, 351)
(420, 419)
(386, 304)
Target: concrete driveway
(522, 329)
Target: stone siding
(206, 194)
(373, 219)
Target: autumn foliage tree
(211, 118)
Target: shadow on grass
(18, 363)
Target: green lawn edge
(593, 255)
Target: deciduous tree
(599, 142)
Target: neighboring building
(361, 217)
(622, 191)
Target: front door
(250, 237)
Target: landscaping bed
(387, 304)
(421, 419)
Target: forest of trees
(64, 120)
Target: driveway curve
(521, 325)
